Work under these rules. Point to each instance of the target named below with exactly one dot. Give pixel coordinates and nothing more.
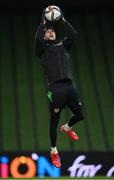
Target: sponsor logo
(58, 44)
(80, 103)
(79, 169)
(56, 110)
(27, 167)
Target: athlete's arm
(70, 34)
(39, 37)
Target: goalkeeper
(55, 59)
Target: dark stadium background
(24, 117)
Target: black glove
(61, 12)
(44, 20)
(62, 19)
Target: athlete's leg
(54, 120)
(75, 106)
(56, 101)
(78, 116)
(56, 104)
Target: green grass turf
(66, 177)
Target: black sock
(76, 118)
(73, 121)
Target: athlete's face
(50, 35)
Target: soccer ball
(52, 13)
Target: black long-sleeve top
(55, 57)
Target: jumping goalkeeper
(55, 59)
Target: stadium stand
(24, 117)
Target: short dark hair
(49, 27)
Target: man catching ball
(62, 92)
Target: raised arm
(39, 39)
(70, 34)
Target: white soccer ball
(52, 13)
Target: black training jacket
(54, 55)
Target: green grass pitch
(61, 178)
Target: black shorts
(62, 94)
